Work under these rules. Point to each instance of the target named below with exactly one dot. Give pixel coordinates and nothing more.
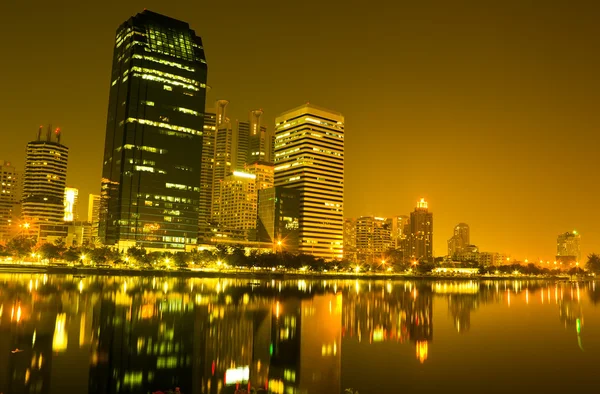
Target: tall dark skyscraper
(152, 155)
(421, 232)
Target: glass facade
(278, 218)
(152, 158)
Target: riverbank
(258, 274)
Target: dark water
(60, 334)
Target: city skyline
(491, 205)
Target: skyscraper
(9, 199)
(460, 240)
(223, 165)
(71, 204)
(206, 174)
(373, 238)
(44, 180)
(568, 247)
(309, 157)
(238, 202)
(94, 214)
(152, 157)
(421, 232)
(278, 218)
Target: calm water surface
(63, 334)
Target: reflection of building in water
(306, 348)
(394, 314)
(460, 308)
(144, 342)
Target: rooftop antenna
(40, 133)
(49, 133)
(57, 132)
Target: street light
(83, 258)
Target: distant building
(207, 173)
(10, 196)
(152, 155)
(94, 214)
(279, 217)
(223, 165)
(459, 241)
(350, 240)
(264, 172)
(568, 247)
(238, 203)
(44, 181)
(373, 238)
(309, 157)
(71, 204)
(400, 231)
(421, 232)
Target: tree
(182, 259)
(593, 263)
(19, 247)
(49, 251)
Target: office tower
(421, 232)
(399, 233)
(279, 217)
(94, 214)
(222, 165)
(309, 157)
(71, 204)
(240, 145)
(350, 240)
(9, 200)
(373, 238)
(238, 202)
(568, 247)
(206, 174)
(264, 172)
(44, 181)
(152, 157)
(460, 240)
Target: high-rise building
(278, 218)
(241, 141)
(44, 181)
(265, 175)
(350, 240)
(94, 214)
(71, 204)
(223, 165)
(460, 240)
(421, 232)
(373, 238)
(399, 231)
(9, 200)
(568, 247)
(207, 173)
(238, 202)
(309, 157)
(152, 157)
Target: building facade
(279, 218)
(309, 157)
(9, 200)
(373, 238)
(460, 240)
(421, 232)
(239, 201)
(152, 157)
(568, 247)
(44, 181)
(93, 214)
(71, 204)
(207, 174)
